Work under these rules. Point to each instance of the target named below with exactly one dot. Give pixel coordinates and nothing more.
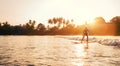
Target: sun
(81, 21)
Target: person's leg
(87, 38)
(82, 38)
(87, 41)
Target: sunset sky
(20, 11)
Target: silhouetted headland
(61, 26)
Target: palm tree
(72, 20)
(50, 21)
(54, 20)
(67, 22)
(60, 21)
(64, 22)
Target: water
(55, 51)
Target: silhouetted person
(85, 33)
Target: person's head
(85, 27)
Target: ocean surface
(59, 51)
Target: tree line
(61, 26)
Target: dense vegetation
(61, 26)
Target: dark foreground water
(55, 51)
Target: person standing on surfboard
(85, 33)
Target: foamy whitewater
(106, 40)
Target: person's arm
(88, 32)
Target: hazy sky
(20, 11)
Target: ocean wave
(103, 40)
(110, 42)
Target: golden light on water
(54, 51)
(78, 64)
(81, 52)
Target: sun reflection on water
(81, 54)
(79, 50)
